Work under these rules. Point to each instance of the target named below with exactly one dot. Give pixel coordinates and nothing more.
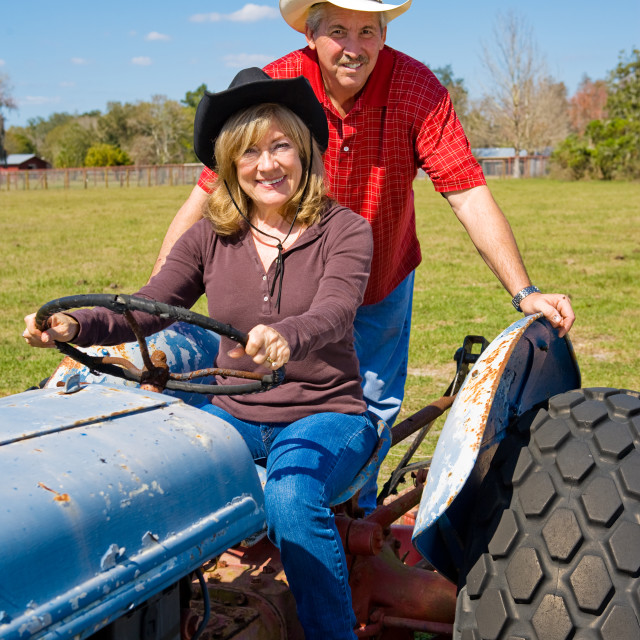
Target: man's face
(348, 43)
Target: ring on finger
(269, 360)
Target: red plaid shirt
(403, 120)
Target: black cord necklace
(279, 273)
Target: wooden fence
(530, 166)
(188, 174)
(101, 177)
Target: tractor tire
(554, 545)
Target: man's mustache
(351, 60)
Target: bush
(574, 156)
(616, 147)
(609, 149)
(106, 155)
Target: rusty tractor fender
(520, 370)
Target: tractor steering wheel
(156, 372)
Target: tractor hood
(108, 496)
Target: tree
(521, 93)
(615, 145)
(610, 146)
(6, 102)
(624, 88)
(192, 98)
(38, 129)
(117, 127)
(550, 123)
(106, 155)
(165, 132)
(587, 104)
(455, 87)
(67, 144)
(17, 141)
(574, 156)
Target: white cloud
(154, 35)
(79, 61)
(244, 60)
(141, 61)
(2, 63)
(38, 100)
(248, 13)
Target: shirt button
(266, 298)
(264, 277)
(346, 149)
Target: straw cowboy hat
(252, 87)
(295, 11)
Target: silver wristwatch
(521, 295)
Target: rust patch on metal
(59, 497)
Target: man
(388, 116)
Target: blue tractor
(127, 513)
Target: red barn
(22, 161)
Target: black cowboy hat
(251, 87)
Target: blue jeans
(381, 334)
(309, 463)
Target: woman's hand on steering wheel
(265, 346)
(60, 328)
(51, 326)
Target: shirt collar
(376, 91)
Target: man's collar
(376, 91)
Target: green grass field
(579, 238)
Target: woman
(277, 259)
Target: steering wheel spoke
(122, 368)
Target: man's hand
(555, 307)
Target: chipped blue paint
(187, 347)
(110, 495)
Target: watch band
(521, 295)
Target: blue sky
(76, 55)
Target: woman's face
(270, 171)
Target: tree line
(593, 134)
(144, 133)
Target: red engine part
(394, 592)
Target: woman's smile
(270, 171)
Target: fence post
(26, 181)
(106, 178)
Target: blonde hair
(241, 132)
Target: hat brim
(295, 11)
(216, 108)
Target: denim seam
(368, 424)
